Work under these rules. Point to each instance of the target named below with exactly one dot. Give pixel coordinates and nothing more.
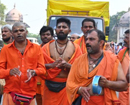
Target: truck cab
(76, 11)
(76, 23)
(33, 40)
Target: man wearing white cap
(6, 31)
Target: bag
(20, 99)
(77, 101)
(55, 86)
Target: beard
(126, 45)
(92, 50)
(62, 37)
(6, 39)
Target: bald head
(17, 24)
(19, 32)
(73, 37)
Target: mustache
(19, 36)
(45, 38)
(3, 35)
(87, 45)
(61, 32)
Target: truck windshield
(76, 23)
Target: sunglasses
(21, 30)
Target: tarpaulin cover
(95, 8)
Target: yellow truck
(76, 11)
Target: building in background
(14, 16)
(123, 25)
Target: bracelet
(79, 89)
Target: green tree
(114, 20)
(2, 13)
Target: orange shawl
(125, 62)
(81, 43)
(121, 54)
(52, 73)
(78, 76)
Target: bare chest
(65, 52)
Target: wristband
(95, 85)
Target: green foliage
(114, 20)
(2, 13)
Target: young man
(96, 62)
(87, 24)
(124, 58)
(6, 31)
(46, 34)
(20, 63)
(59, 55)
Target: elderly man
(20, 63)
(7, 37)
(6, 31)
(87, 24)
(124, 57)
(96, 62)
(73, 37)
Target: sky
(34, 11)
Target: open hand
(84, 92)
(30, 74)
(15, 71)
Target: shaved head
(19, 32)
(19, 24)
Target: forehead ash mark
(62, 23)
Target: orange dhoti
(125, 62)
(94, 100)
(55, 98)
(38, 91)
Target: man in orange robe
(59, 55)
(96, 62)
(46, 35)
(124, 58)
(87, 24)
(20, 62)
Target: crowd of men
(61, 71)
